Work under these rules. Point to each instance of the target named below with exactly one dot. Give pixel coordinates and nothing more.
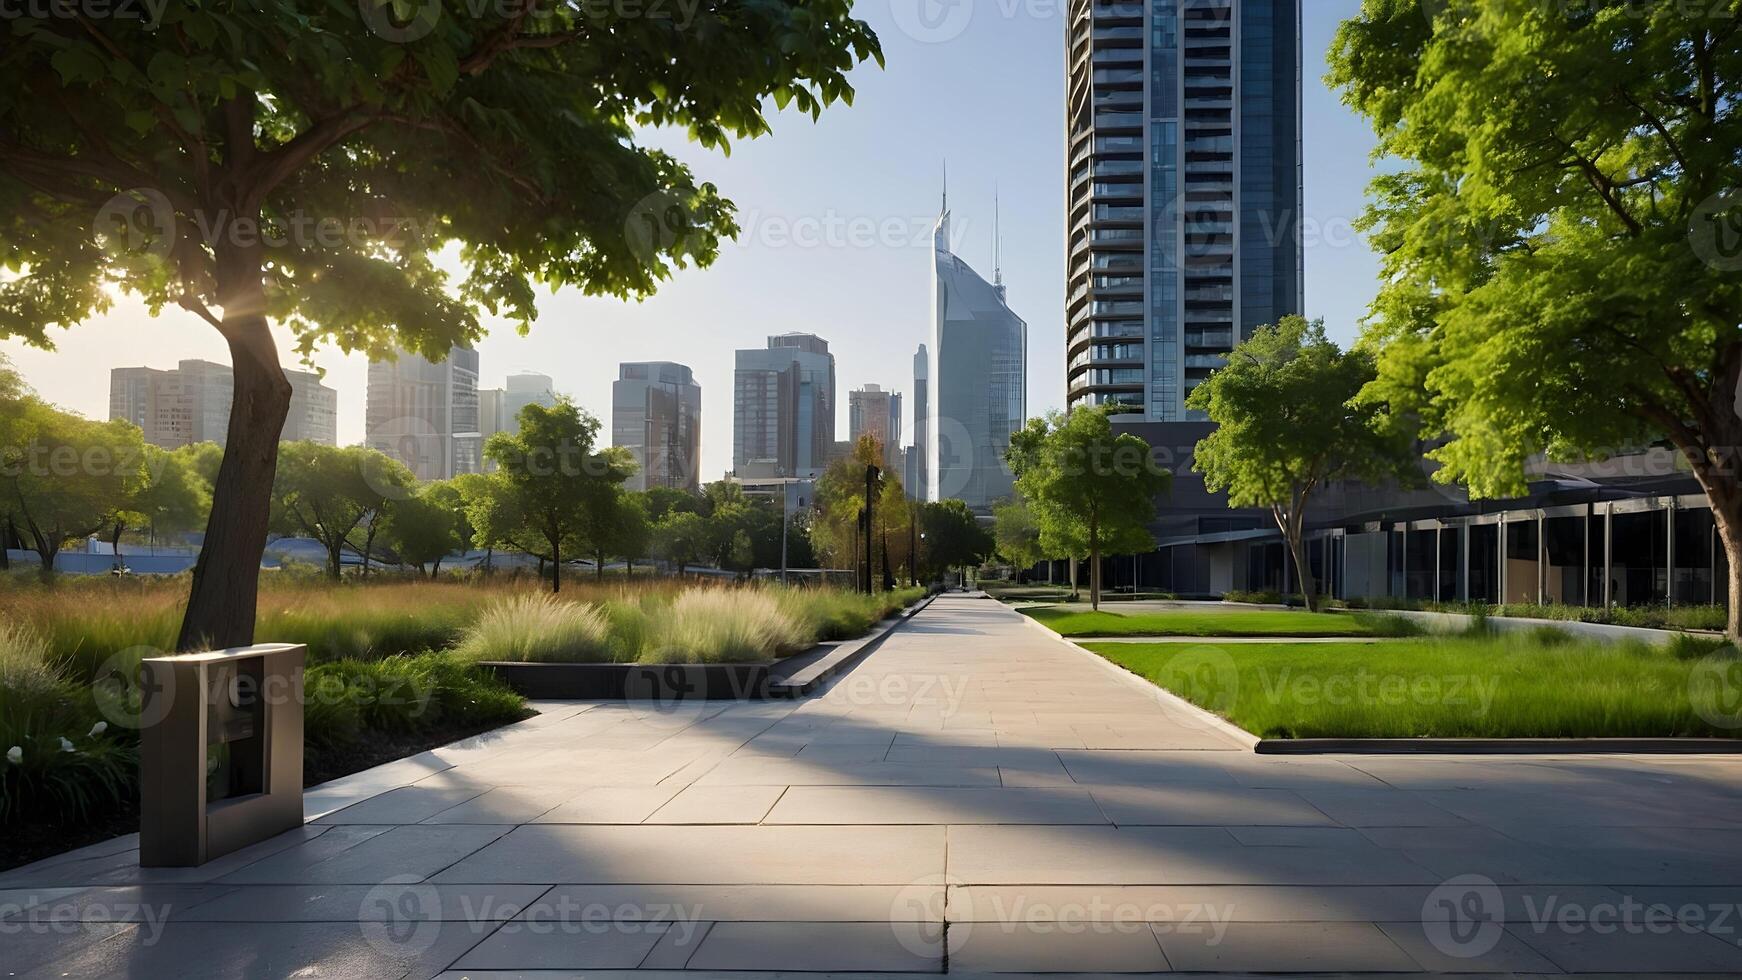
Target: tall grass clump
(725, 626)
(348, 701)
(533, 628)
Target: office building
(491, 418)
(920, 451)
(523, 389)
(873, 412)
(783, 408)
(656, 414)
(425, 414)
(191, 403)
(1183, 192)
(978, 396)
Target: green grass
(1542, 684)
(1257, 622)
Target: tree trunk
(1724, 493)
(556, 566)
(115, 543)
(1095, 577)
(599, 566)
(1292, 524)
(435, 569)
(226, 580)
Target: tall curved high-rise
(978, 380)
(1183, 192)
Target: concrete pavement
(975, 796)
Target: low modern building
(920, 452)
(783, 408)
(191, 403)
(1631, 530)
(522, 389)
(425, 414)
(656, 414)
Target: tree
(64, 476)
(1288, 422)
(555, 479)
(423, 529)
(836, 529)
(681, 538)
(1017, 534)
(336, 496)
(492, 511)
(1559, 264)
(173, 498)
(306, 163)
(954, 537)
(1093, 493)
(611, 522)
(659, 501)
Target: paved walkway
(976, 796)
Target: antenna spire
(997, 242)
(946, 201)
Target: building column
(1585, 561)
(1608, 554)
(1541, 558)
(1439, 532)
(1669, 553)
(1464, 561)
(1500, 544)
(1405, 562)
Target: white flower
(97, 729)
(65, 746)
(15, 755)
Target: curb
(1211, 720)
(1498, 746)
(808, 678)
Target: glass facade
(1183, 191)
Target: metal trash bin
(221, 759)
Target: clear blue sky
(836, 219)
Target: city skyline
(812, 255)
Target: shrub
(58, 764)
(1394, 626)
(533, 628)
(348, 700)
(725, 626)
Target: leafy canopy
(1286, 422)
(1560, 246)
(352, 147)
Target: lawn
(1536, 685)
(1240, 622)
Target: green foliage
(1091, 493)
(1016, 533)
(57, 761)
(553, 485)
(681, 537)
(538, 629)
(954, 537)
(1288, 422)
(836, 531)
(350, 701)
(335, 494)
(1558, 268)
(63, 476)
(725, 626)
(426, 527)
(1507, 685)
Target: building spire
(997, 242)
(944, 208)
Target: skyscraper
(877, 413)
(191, 403)
(783, 407)
(425, 414)
(918, 458)
(1183, 192)
(656, 413)
(979, 352)
(523, 389)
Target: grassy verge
(1657, 616)
(1526, 685)
(1242, 622)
